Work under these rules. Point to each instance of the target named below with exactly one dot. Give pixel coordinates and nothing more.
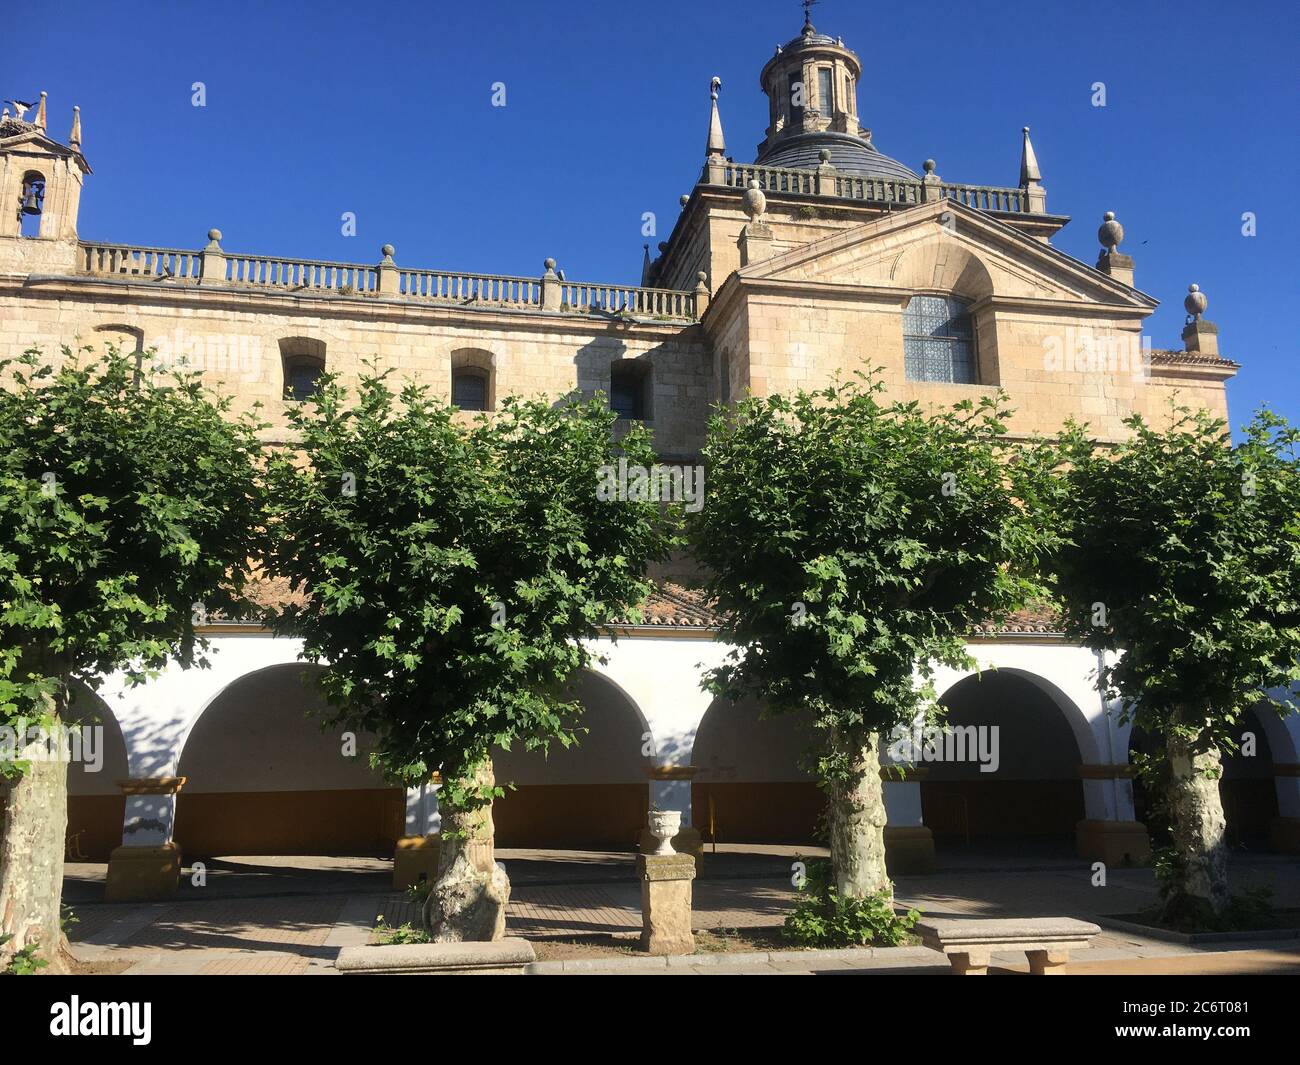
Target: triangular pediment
(34, 142)
(946, 246)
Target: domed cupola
(812, 90)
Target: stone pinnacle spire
(74, 138)
(716, 146)
(40, 113)
(1028, 162)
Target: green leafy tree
(128, 504)
(453, 571)
(1182, 551)
(852, 545)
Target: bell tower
(40, 189)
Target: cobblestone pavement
(291, 915)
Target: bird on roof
(21, 108)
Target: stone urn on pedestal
(664, 825)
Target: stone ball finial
(387, 251)
(715, 86)
(824, 155)
(683, 199)
(548, 264)
(928, 166)
(1196, 301)
(755, 203)
(1110, 233)
(1024, 129)
(214, 234)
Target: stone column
(148, 863)
(415, 855)
(666, 903)
(701, 294)
(670, 789)
(214, 260)
(1284, 830)
(390, 279)
(930, 183)
(1115, 837)
(826, 174)
(551, 287)
(909, 844)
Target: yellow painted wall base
(1284, 835)
(687, 841)
(909, 849)
(415, 857)
(1113, 842)
(137, 874)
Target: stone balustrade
(387, 280)
(123, 260)
(829, 183)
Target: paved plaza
(581, 909)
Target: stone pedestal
(139, 874)
(1284, 835)
(755, 243)
(1202, 337)
(909, 849)
(415, 858)
(1113, 842)
(666, 903)
(1118, 265)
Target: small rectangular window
(627, 386)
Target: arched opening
(96, 805)
(32, 208)
(593, 794)
(749, 786)
(263, 778)
(473, 381)
(303, 362)
(1021, 780)
(1247, 788)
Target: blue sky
(385, 110)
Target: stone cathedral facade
(821, 256)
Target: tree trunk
(1197, 823)
(857, 821)
(468, 900)
(31, 857)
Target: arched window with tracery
(939, 340)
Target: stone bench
(501, 956)
(968, 942)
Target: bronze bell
(31, 202)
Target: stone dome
(849, 154)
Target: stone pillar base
(415, 857)
(1113, 842)
(666, 903)
(142, 874)
(687, 841)
(1284, 835)
(909, 849)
